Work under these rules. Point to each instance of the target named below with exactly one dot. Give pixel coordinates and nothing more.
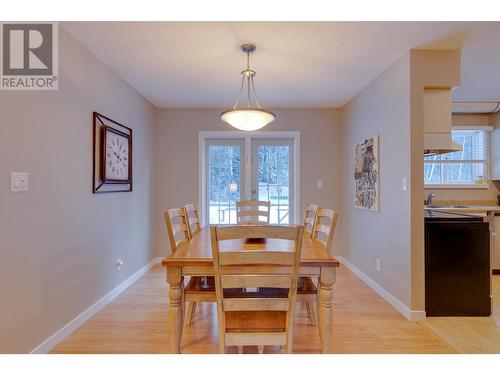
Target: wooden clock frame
(100, 126)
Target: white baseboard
(397, 304)
(69, 328)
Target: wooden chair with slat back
(323, 231)
(193, 219)
(253, 212)
(310, 219)
(177, 227)
(199, 288)
(251, 318)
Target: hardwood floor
(135, 322)
(474, 334)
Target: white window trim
(204, 135)
(487, 162)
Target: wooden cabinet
(495, 253)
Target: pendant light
(250, 117)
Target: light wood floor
(135, 322)
(475, 334)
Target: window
(462, 169)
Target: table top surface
(198, 251)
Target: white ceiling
(298, 64)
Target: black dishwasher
(457, 265)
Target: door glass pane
(273, 181)
(223, 183)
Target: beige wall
(382, 108)
(428, 69)
(468, 194)
(59, 242)
(177, 156)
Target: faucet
(428, 202)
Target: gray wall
(381, 108)
(177, 157)
(59, 242)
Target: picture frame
(367, 174)
(112, 155)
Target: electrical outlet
(119, 264)
(377, 265)
(18, 181)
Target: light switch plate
(320, 184)
(18, 182)
(405, 184)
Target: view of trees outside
(472, 168)
(274, 181)
(224, 182)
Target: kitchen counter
(440, 215)
(465, 209)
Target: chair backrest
(310, 218)
(240, 268)
(193, 219)
(177, 227)
(324, 228)
(253, 212)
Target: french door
(272, 172)
(249, 167)
(226, 177)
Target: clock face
(116, 156)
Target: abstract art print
(366, 174)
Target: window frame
(486, 162)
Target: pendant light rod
(248, 118)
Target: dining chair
(177, 227)
(254, 318)
(198, 288)
(323, 232)
(193, 219)
(253, 212)
(310, 219)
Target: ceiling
(298, 64)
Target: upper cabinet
(437, 122)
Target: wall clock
(112, 147)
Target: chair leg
(311, 313)
(260, 348)
(190, 313)
(240, 349)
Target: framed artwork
(366, 174)
(112, 155)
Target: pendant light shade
(248, 118)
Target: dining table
(194, 258)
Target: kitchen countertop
(440, 215)
(468, 209)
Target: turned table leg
(325, 300)
(175, 315)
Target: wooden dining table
(194, 258)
